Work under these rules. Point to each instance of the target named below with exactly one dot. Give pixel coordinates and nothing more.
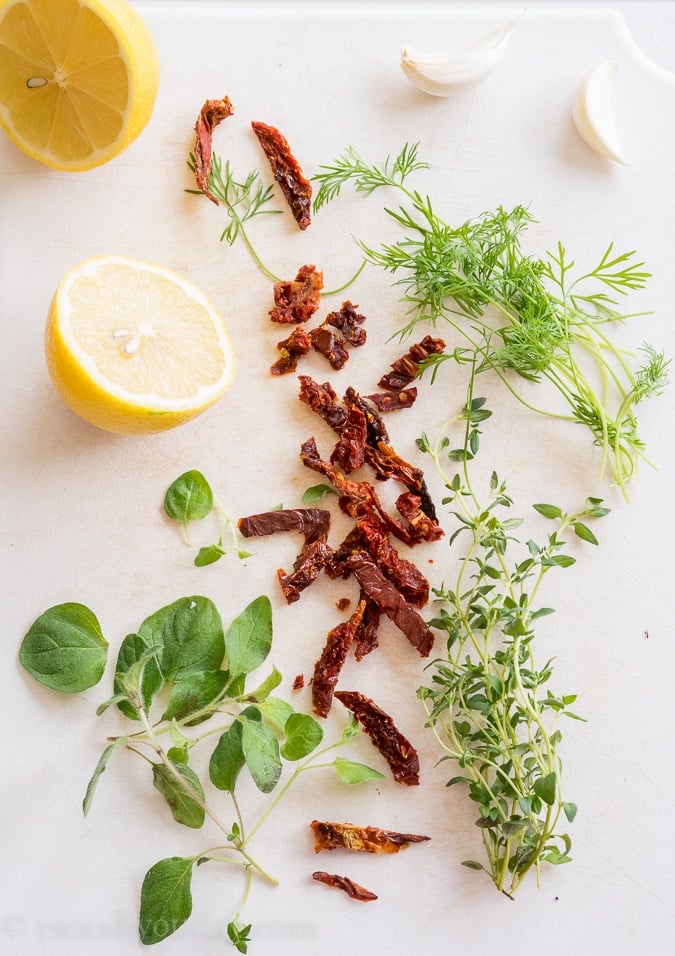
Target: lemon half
(78, 79)
(135, 348)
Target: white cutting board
(82, 509)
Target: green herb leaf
(276, 712)
(100, 767)
(180, 795)
(191, 632)
(303, 735)
(189, 498)
(349, 771)
(166, 899)
(584, 532)
(570, 810)
(227, 759)
(64, 649)
(194, 693)
(132, 650)
(239, 936)
(261, 752)
(548, 511)
(263, 690)
(545, 788)
(249, 637)
(317, 493)
(209, 555)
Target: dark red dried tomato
(287, 172)
(313, 523)
(405, 575)
(332, 346)
(425, 528)
(388, 464)
(348, 321)
(377, 430)
(349, 452)
(306, 569)
(351, 888)
(405, 369)
(322, 399)
(299, 682)
(292, 349)
(211, 114)
(391, 401)
(346, 836)
(327, 668)
(296, 300)
(365, 639)
(394, 747)
(391, 602)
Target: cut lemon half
(78, 79)
(134, 348)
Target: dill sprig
(537, 317)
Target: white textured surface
(82, 515)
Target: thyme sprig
(488, 703)
(537, 317)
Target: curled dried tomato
(287, 172)
(292, 349)
(351, 888)
(406, 368)
(323, 400)
(330, 345)
(296, 300)
(366, 639)
(394, 747)
(349, 452)
(327, 668)
(211, 114)
(391, 401)
(346, 836)
(350, 322)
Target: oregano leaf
(249, 637)
(303, 735)
(195, 693)
(179, 795)
(189, 497)
(351, 772)
(227, 759)
(166, 898)
(191, 632)
(261, 752)
(99, 769)
(64, 649)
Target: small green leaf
(99, 769)
(545, 788)
(584, 532)
(189, 498)
(349, 771)
(132, 650)
(166, 899)
(64, 649)
(191, 632)
(473, 865)
(548, 511)
(261, 752)
(209, 555)
(570, 810)
(249, 637)
(317, 493)
(275, 711)
(239, 936)
(227, 759)
(303, 735)
(263, 690)
(179, 796)
(194, 693)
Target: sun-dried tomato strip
(405, 575)
(327, 668)
(346, 836)
(391, 401)
(306, 569)
(388, 464)
(377, 430)
(330, 345)
(391, 602)
(394, 747)
(348, 321)
(366, 639)
(292, 349)
(323, 400)
(287, 172)
(211, 114)
(313, 523)
(405, 369)
(349, 452)
(425, 528)
(296, 300)
(351, 888)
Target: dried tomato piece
(391, 401)
(348, 321)
(211, 114)
(306, 569)
(327, 668)
(299, 682)
(296, 300)
(292, 349)
(322, 399)
(405, 575)
(349, 452)
(391, 602)
(377, 430)
(424, 527)
(313, 523)
(405, 369)
(346, 836)
(394, 747)
(330, 345)
(388, 464)
(351, 888)
(287, 172)
(366, 639)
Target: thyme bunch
(488, 702)
(537, 317)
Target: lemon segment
(135, 348)
(78, 79)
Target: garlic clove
(593, 112)
(443, 73)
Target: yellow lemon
(78, 79)
(134, 348)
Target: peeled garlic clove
(593, 112)
(444, 73)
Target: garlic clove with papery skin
(443, 73)
(593, 112)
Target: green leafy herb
(189, 498)
(181, 657)
(349, 771)
(537, 317)
(317, 493)
(488, 702)
(65, 649)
